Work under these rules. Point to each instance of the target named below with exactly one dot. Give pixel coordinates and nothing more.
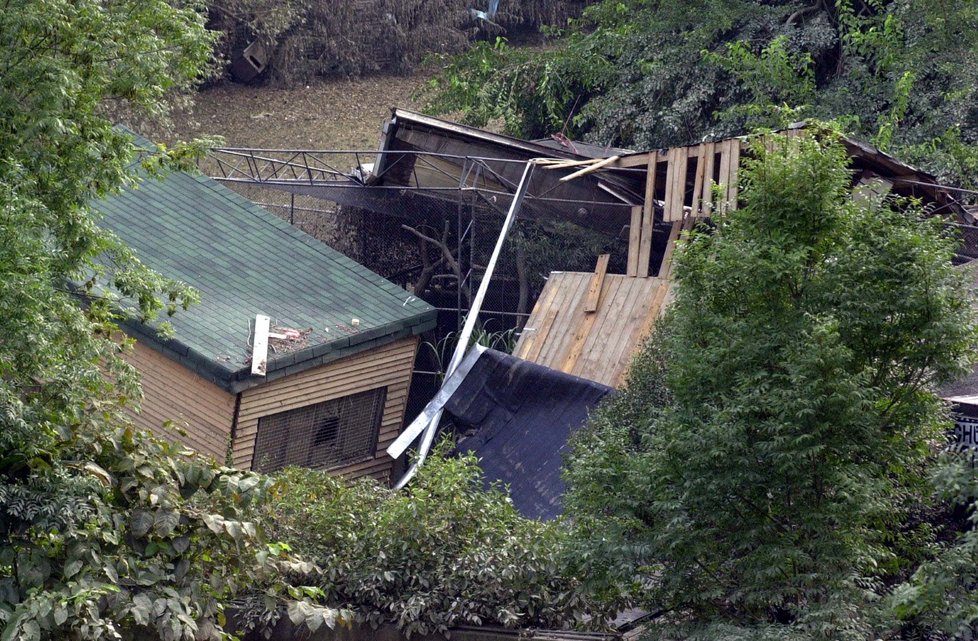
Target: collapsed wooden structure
(591, 325)
(587, 325)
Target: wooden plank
(680, 192)
(734, 173)
(561, 339)
(600, 164)
(648, 207)
(594, 290)
(545, 300)
(635, 160)
(618, 356)
(591, 358)
(648, 218)
(708, 171)
(259, 350)
(665, 267)
(697, 209)
(581, 335)
(677, 186)
(533, 353)
(634, 239)
(655, 310)
(558, 163)
(670, 181)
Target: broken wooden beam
(597, 282)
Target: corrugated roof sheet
(246, 261)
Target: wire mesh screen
(321, 436)
(967, 237)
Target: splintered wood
(694, 176)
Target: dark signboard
(965, 435)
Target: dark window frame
(279, 433)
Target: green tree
(648, 74)
(104, 531)
(941, 594)
(756, 479)
(446, 552)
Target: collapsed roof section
(421, 152)
(422, 158)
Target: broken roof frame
(305, 173)
(409, 138)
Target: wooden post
(698, 182)
(677, 187)
(597, 282)
(634, 238)
(708, 166)
(648, 217)
(734, 173)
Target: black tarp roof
(523, 415)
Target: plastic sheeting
(523, 415)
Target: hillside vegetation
(647, 74)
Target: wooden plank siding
(389, 366)
(594, 345)
(173, 392)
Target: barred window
(321, 436)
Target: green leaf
(165, 522)
(141, 523)
(296, 612)
(141, 609)
(71, 568)
(181, 544)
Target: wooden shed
(336, 379)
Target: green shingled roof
(246, 261)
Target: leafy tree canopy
(105, 533)
(765, 473)
(446, 552)
(648, 74)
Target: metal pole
(430, 425)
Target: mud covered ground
(330, 114)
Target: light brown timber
(594, 290)
(172, 392)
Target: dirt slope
(331, 114)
